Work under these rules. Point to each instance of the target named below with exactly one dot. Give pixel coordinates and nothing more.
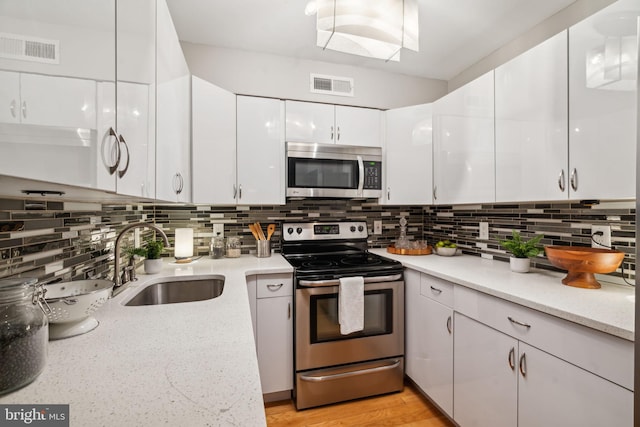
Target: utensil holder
(263, 248)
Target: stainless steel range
(331, 366)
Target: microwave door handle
(360, 175)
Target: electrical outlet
(601, 241)
(377, 227)
(484, 231)
(218, 230)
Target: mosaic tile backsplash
(54, 240)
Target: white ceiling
(454, 34)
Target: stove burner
(319, 263)
(361, 259)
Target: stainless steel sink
(175, 290)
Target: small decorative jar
(24, 332)
(233, 247)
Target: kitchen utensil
(581, 262)
(73, 303)
(259, 231)
(271, 228)
(252, 227)
(263, 248)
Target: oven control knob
(290, 230)
(299, 230)
(360, 228)
(353, 228)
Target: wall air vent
(27, 48)
(331, 85)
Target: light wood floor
(407, 408)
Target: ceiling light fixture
(377, 29)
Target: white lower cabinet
(272, 311)
(502, 364)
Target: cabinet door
(485, 378)
(275, 343)
(173, 114)
(136, 100)
(554, 392)
(310, 122)
(464, 166)
(531, 124)
(408, 156)
(358, 126)
(9, 97)
(260, 151)
(213, 139)
(602, 103)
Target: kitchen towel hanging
(351, 304)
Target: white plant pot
(520, 265)
(152, 266)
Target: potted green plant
(522, 251)
(151, 253)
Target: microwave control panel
(372, 175)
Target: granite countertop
(610, 309)
(176, 364)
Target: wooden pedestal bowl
(582, 262)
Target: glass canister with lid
(234, 249)
(24, 332)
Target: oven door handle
(360, 175)
(336, 282)
(320, 378)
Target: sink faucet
(117, 281)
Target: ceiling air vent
(331, 85)
(27, 48)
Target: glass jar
(24, 332)
(233, 247)
(217, 249)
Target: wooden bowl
(582, 262)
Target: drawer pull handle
(512, 320)
(449, 324)
(523, 365)
(436, 290)
(512, 358)
(321, 378)
(275, 287)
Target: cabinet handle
(177, 183)
(449, 324)
(574, 179)
(512, 320)
(523, 365)
(561, 180)
(288, 311)
(113, 168)
(275, 287)
(180, 183)
(240, 191)
(126, 167)
(436, 290)
(12, 108)
(24, 109)
(512, 358)
(332, 133)
(388, 193)
(338, 133)
(435, 192)
(235, 191)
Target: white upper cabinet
(408, 156)
(531, 124)
(329, 124)
(463, 144)
(602, 103)
(173, 154)
(260, 151)
(213, 143)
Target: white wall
(564, 19)
(251, 73)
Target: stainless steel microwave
(332, 170)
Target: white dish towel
(351, 304)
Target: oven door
(318, 339)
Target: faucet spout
(116, 262)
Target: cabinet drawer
(437, 289)
(274, 285)
(605, 355)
